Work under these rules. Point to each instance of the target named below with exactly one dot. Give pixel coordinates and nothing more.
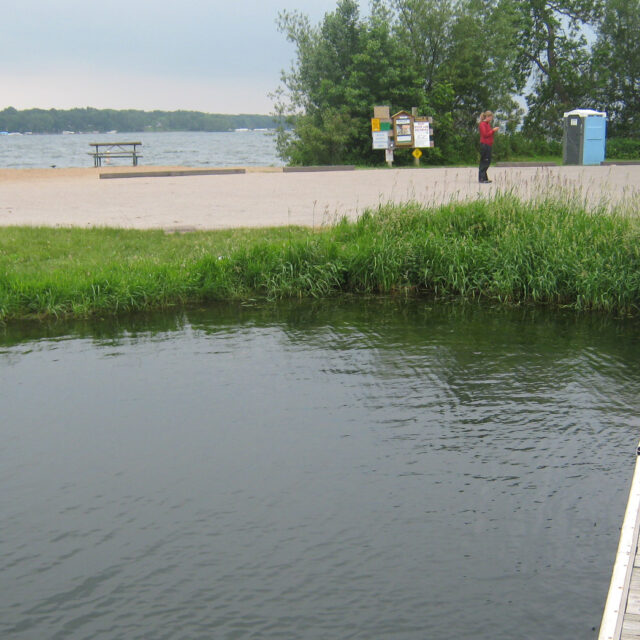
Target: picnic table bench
(109, 150)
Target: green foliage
(344, 67)
(454, 59)
(447, 59)
(623, 148)
(517, 145)
(549, 251)
(616, 66)
(102, 120)
(553, 51)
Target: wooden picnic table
(109, 150)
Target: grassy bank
(550, 252)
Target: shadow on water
(384, 324)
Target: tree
(553, 50)
(452, 59)
(616, 66)
(426, 28)
(343, 67)
(465, 54)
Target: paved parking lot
(270, 197)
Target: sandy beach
(271, 197)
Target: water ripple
(432, 475)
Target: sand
(271, 197)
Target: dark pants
(485, 161)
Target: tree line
(88, 120)
(529, 61)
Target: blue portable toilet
(584, 139)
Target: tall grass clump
(551, 251)
(545, 252)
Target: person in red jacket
(486, 144)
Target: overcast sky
(205, 55)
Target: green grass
(551, 252)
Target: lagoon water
(371, 469)
(178, 148)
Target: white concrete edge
(614, 609)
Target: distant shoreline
(90, 120)
(115, 132)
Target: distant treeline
(89, 120)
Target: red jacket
(486, 133)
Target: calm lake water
(368, 469)
(193, 149)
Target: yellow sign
(416, 153)
(375, 124)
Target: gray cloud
(157, 43)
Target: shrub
(623, 148)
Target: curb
(171, 173)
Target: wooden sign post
(402, 130)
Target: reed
(548, 250)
